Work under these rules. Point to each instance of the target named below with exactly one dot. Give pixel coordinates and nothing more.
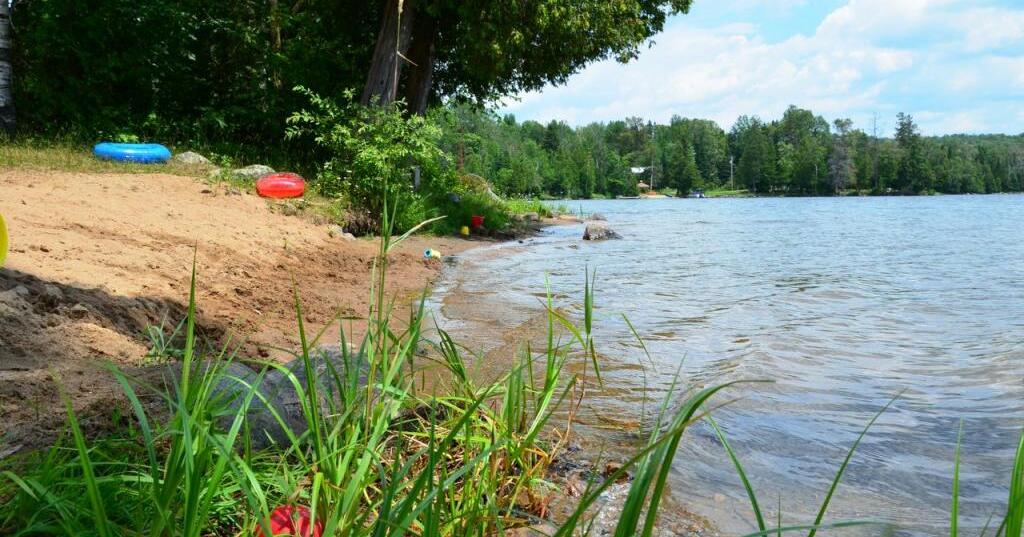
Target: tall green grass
(373, 458)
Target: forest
(799, 154)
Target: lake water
(842, 302)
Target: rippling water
(842, 302)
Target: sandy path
(97, 258)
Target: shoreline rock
(599, 231)
(253, 172)
(192, 158)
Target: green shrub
(372, 153)
(460, 213)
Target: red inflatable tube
(281, 185)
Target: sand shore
(98, 260)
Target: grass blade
(92, 488)
(842, 467)
(743, 475)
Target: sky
(956, 65)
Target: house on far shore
(643, 187)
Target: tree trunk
(7, 118)
(421, 72)
(392, 41)
(275, 41)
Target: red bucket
(476, 221)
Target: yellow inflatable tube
(3, 240)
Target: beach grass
(70, 156)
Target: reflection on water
(841, 302)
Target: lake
(841, 302)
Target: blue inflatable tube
(144, 153)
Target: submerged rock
(598, 217)
(599, 231)
(254, 171)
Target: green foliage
(186, 71)
(797, 155)
(372, 152)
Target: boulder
(338, 231)
(192, 159)
(599, 231)
(254, 171)
(335, 379)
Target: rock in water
(599, 231)
(597, 217)
(252, 172)
(192, 159)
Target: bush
(459, 213)
(372, 154)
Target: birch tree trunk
(7, 118)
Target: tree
(756, 161)
(7, 118)
(840, 164)
(690, 175)
(911, 175)
(483, 49)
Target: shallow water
(842, 302)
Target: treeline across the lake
(798, 154)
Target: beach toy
(281, 185)
(292, 520)
(3, 240)
(141, 153)
(431, 253)
(476, 221)
(464, 231)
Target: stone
(52, 294)
(598, 217)
(277, 390)
(599, 231)
(531, 217)
(254, 171)
(339, 232)
(78, 311)
(192, 159)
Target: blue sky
(955, 65)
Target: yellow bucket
(464, 231)
(3, 240)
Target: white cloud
(865, 56)
(989, 28)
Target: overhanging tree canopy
(484, 49)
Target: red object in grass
(292, 520)
(281, 185)
(476, 221)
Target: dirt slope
(96, 259)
